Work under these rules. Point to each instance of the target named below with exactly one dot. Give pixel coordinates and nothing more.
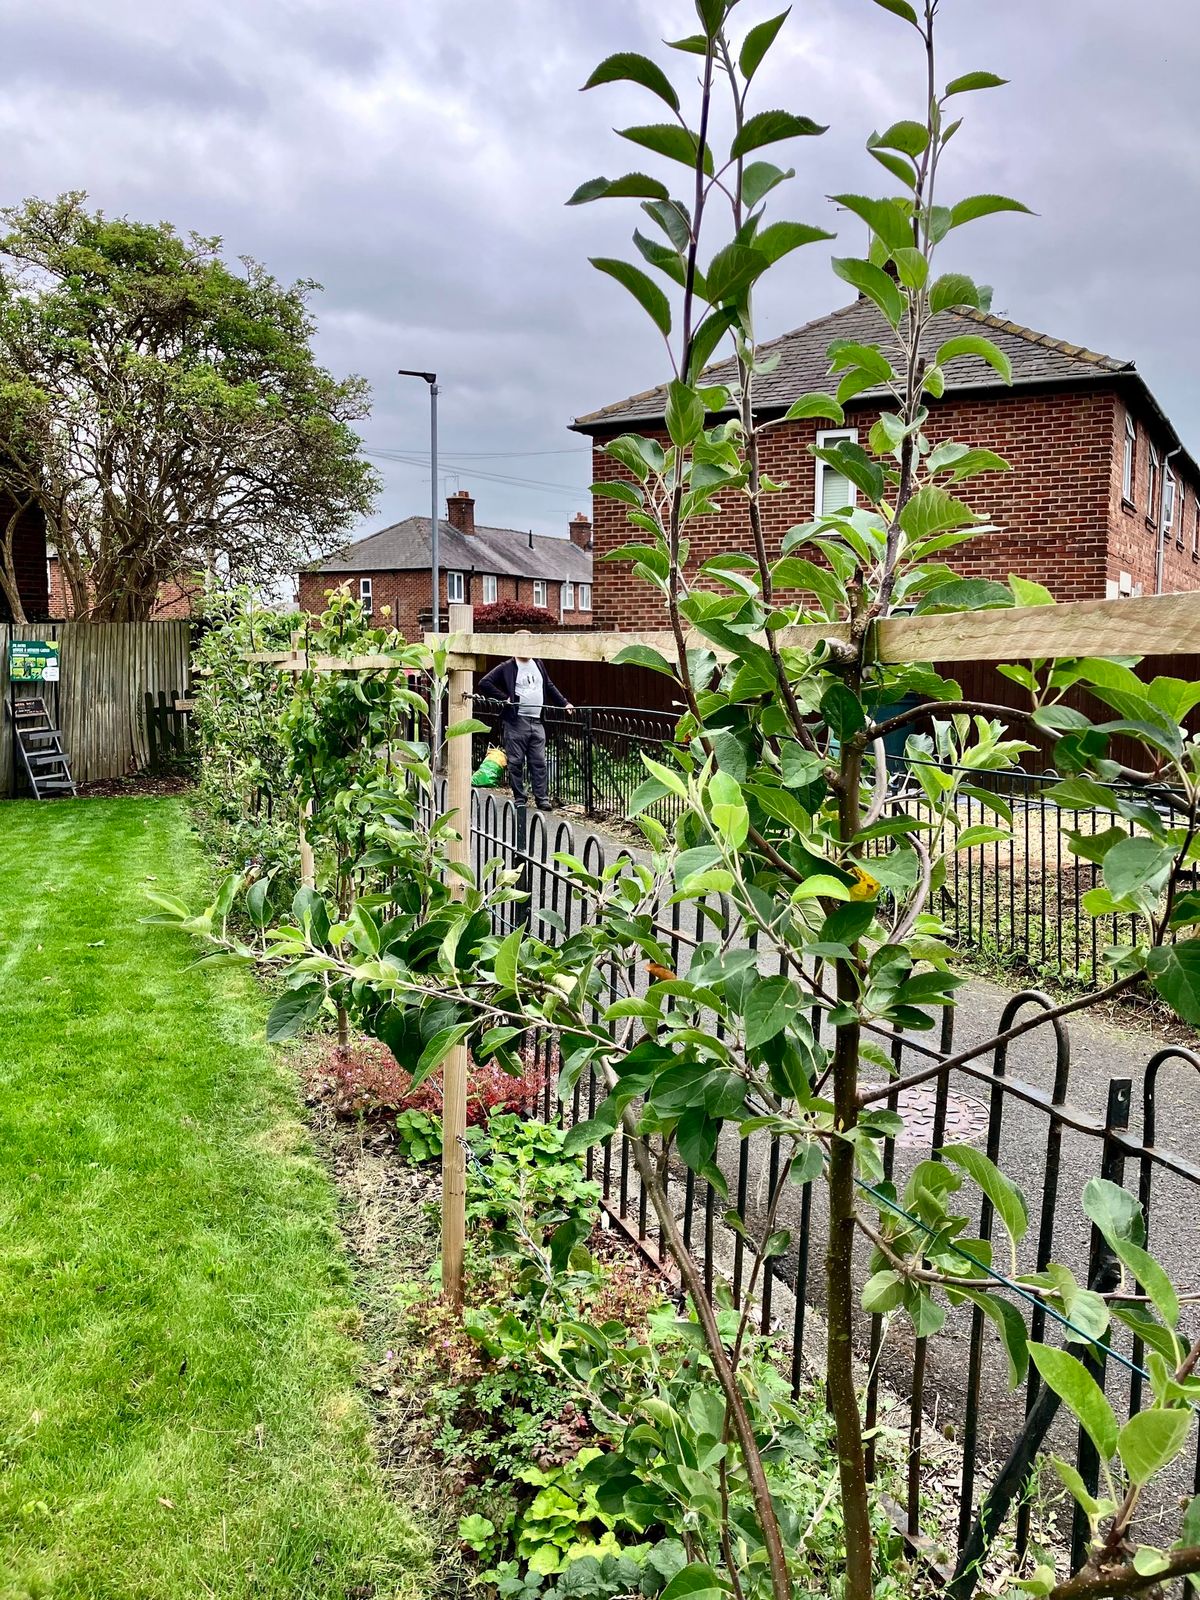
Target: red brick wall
(1054, 509)
(177, 598)
(29, 558)
(407, 593)
(1134, 525)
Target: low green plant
(418, 1136)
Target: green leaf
(669, 779)
(696, 1582)
(972, 344)
(1027, 593)
(953, 289)
(436, 1051)
(1076, 1387)
(466, 725)
(256, 902)
(888, 219)
(768, 127)
(670, 140)
(882, 1293)
(504, 962)
(757, 42)
(983, 205)
(910, 138)
(643, 289)
(706, 339)
(1151, 1440)
(1174, 970)
(772, 1004)
(1148, 1562)
(973, 80)
(634, 185)
(899, 8)
(627, 65)
(1006, 1198)
(874, 282)
(684, 414)
(1075, 1486)
(1012, 1330)
(759, 178)
(1137, 863)
(732, 271)
(779, 238)
(815, 405)
(842, 710)
(292, 1010)
(643, 655)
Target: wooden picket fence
(107, 669)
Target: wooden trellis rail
(1167, 624)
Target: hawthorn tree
(164, 409)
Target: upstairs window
(1196, 530)
(489, 588)
(585, 597)
(835, 492)
(1152, 485)
(365, 596)
(568, 597)
(1129, 460)
(539, 591)
(1168, 503)
(455, 588)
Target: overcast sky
(414, 156)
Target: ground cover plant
(178, 1413)
(786, 823)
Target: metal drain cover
(966, 1120)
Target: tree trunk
(9, 586)
(839, 1259)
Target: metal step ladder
(40, 746)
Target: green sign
(32, 661)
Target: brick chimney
(581, 531)
(460, 510)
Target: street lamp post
(435, 576)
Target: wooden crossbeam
(1156, 625)
(290, 661)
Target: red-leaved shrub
(366, 1080)
(504, 615)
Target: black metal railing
(1050, 1123)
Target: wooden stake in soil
(454, 1082)
(308, 869)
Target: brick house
(178, 597)
(478, 566)
(1102, 499)
(29, 561)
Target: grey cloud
(414, 158)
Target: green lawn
(178, 1415)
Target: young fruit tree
(789, 837)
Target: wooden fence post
(454, 1081)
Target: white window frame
(540, 594)
(366, 595)
(825, 438)
(568, 597)
(1152, 485)
(489, 589)
(456, 589)
(1168, 503)
(584, 601)
(1129, 461)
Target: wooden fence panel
(106, 670)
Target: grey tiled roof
(404, 547)
(1036, 359)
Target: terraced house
(478, 566)
(1103, 499)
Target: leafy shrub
(367, 1080)
(511, 614)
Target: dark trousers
(525, 744)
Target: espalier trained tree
(788, 824)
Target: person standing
(525, 688)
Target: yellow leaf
(865, 886)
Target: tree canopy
(165, 409)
